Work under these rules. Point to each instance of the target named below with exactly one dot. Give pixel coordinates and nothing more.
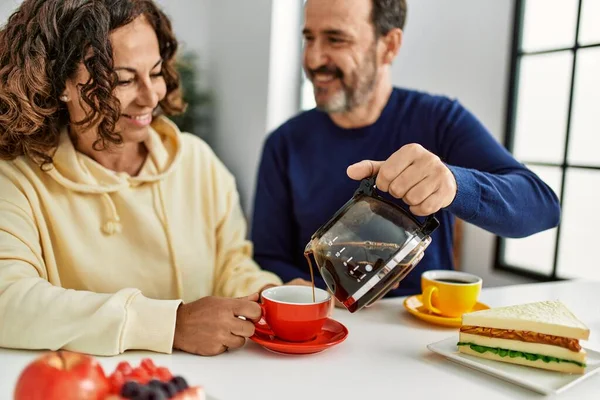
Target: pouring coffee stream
(312, 276)
(368, 246)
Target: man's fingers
(420, 192)
(430, 205)
(363, 169)
(409, 178)
(394, 166)
(248, 309)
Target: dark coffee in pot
(348, 265)
(368, 246)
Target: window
(554, 128)
(307, 98)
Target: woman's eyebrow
(133, 70)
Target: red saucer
(331, 334)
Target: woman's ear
(65, 97)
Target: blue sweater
(302, 181)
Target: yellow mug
(450, 293)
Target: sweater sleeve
(494, 191)
(274, 229)
(237, 274)
(36, 314)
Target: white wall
(250, 51)
(233, 39)
(461, 48)
(191, 21)
(6, 9)
(285, 61)
(239, 76)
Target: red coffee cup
(289, 312)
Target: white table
(384, 357)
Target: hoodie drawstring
(165, 222)
(77, 172)
(112, 226)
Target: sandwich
(543, 335)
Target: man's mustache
(327, 70)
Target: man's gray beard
(340, 102)
(346, 99)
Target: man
(438, 157)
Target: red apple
(62, 375)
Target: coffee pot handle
(367, 186)
(431, 224)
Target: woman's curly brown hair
(41, 47)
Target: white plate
(538, 380)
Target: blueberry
(131, 389)
(179, 383)
(155, 383)
(155, 394)
(169, 388)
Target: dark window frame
(516, 54)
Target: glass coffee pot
(368, 246)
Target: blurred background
(528, 69)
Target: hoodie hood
(80, 173)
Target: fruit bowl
(147, 381)
(67, 375)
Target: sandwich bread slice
(542, 335)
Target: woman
(117, 231)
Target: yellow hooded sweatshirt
(98, 262)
